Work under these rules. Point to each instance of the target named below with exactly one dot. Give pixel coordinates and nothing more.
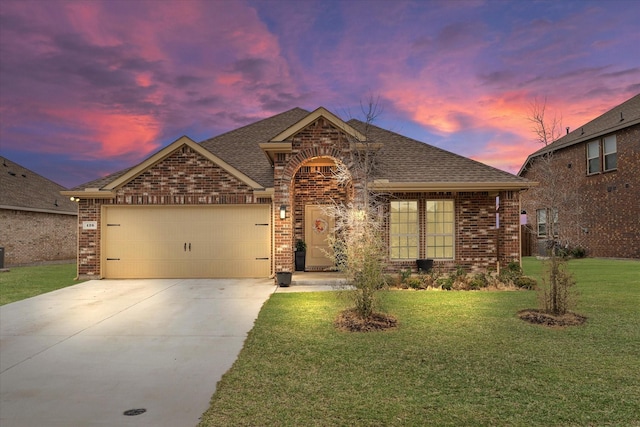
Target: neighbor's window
(541, 215)
(602, 155)
(440, 229)
(593, 157)
(610, 153)
(404, 229)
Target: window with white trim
(593, 157)
(543, 224)
(440, 233)
(602, 155)
(403, 233)
(610, 153)
(541, 215)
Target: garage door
(186, 241)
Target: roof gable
(170, 149)
(106, 187)
(311, 118)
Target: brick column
(509, 232)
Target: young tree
(358, 241)
(558, 205)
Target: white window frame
(542, 222)
(609, 142)
(607, 155)
(446, 230)
(404, 230)
(591, 156)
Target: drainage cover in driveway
(132, 412)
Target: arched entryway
(314, 191)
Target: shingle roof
(620, 117)
(407, 160)
(24, 189)
(240, 147)
(403, 159)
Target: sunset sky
(90, 87)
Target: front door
(318, 226)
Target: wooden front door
(318, 226)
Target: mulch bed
(551, 320)
(348, 320)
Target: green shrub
(404, 275)
(525, 282)
(578, 252)
(445, 283)
(414, 283)
(510, 273)
(479, 281)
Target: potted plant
(301, 254)
(283, 278)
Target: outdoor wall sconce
(283, 211)
(74, 199)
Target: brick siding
(611, 219)
(187, 178)
(478, 246)
(32, 237)
(183, 178)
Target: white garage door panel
(186, 241)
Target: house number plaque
(89, 225)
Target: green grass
(456, 359)
(25, 282)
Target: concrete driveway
(83, 355)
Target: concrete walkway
(83, 355)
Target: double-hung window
(440, 235)
(541, 218)
(547, 218)
(404, 236)
(593, 157)
(602, 155)
(610, 153)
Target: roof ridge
(256, 123)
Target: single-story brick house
(234, 205)
(37, 224)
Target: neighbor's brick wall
(612, 207)
(183, 178)
(31, 237)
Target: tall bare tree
(558, 205)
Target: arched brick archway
(307, 178)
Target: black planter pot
(283, 278)
(301, 257)
(424, 265)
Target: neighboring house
(36, 222)
(234, 205)
(599, 162)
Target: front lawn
(25, 282)
(456, 359)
